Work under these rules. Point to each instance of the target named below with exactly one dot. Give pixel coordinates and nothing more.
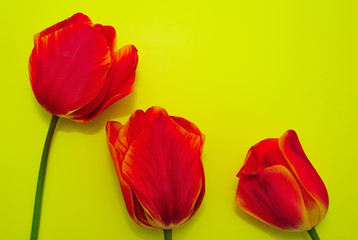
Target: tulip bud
(279, 186)
(75, 71)
(158, 162)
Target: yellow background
(241, 70)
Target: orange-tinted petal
(119, 139)
(68, 68)
(78, 18)
(272, 195)
(113, 129)
(304, 171)
(189, 126)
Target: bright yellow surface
(241, 70)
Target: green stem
(313, 234)
(41, 179)
(167, 234)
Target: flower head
(279, 185)
(75, 71)
(158, 162)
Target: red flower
(279, 186)
(75, 71)
(158, 162)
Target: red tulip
(158, 162)
(279, 186)
(75, 71)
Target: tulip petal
(120, 83)
(138, 214)
(68, 68)
(91, 110)
(119, 139)
(189, 126)
(122, 138)
(122, 74)
(112, 129)
(264, 154)
(273, 195)
(109, 33)
(78, 18)
(304, 171)
(159, 156)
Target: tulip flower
(279, 186)
(158, 162)
(76, 73)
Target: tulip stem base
(313, 234)
(167, 234)
(41, 179)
